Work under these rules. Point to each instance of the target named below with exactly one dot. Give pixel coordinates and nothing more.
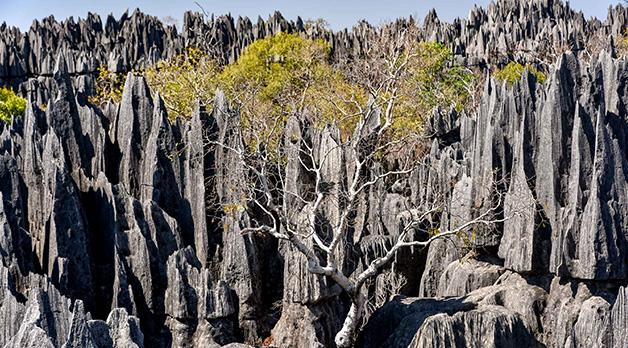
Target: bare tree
(297, 215)
(305, 231)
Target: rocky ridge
(526, 31)
(113, 235)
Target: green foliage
(276, 65)
(282, 74)
(433, 79)
(433, 232)
(231, 209)
(273, 78)
(623, 44)
(109, 86)
(286, 73)
(182, 80)
(513, 72)
(11, 104)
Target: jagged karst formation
(111, 236)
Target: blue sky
(338, 13)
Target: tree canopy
(286, 74)
(513, 72)
(182, 80)
(432, 80)
(11, 104)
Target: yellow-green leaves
(10, 104)
(623, 44)
(282, 74)
(182, 80)
(278, 66)
(513, 72)
(287, 74)
(432, 79)
(109, 86)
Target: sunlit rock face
(112, 233)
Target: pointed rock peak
(221, 110)
(124, 17)
(35, 304)
(160, 121)
(220, 101)
(201, 124)
(276, 16)
(199, 112)
(431, 18)
(135, 86)
(185, 256)
(78, 309)
(567, 68)
(568, 57)
(79, 335)
(5, 135)
(159, 106)
(136, 110)
(124, 329)
(62, 79)
(434, 149)
(61, 66)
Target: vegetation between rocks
(10, 104)
(286, 74)
(513, 72)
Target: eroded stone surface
(119, 228)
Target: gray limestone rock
(524, 243)
(441, 253)
(195, 165)
(494, 316)
(463, 276)
(592, 328)
(563, 305)
(80, 334)
(124, 329)
(488, 326)
(619, 320)
(138, 218)
(240, 266)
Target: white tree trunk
(346, 335)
